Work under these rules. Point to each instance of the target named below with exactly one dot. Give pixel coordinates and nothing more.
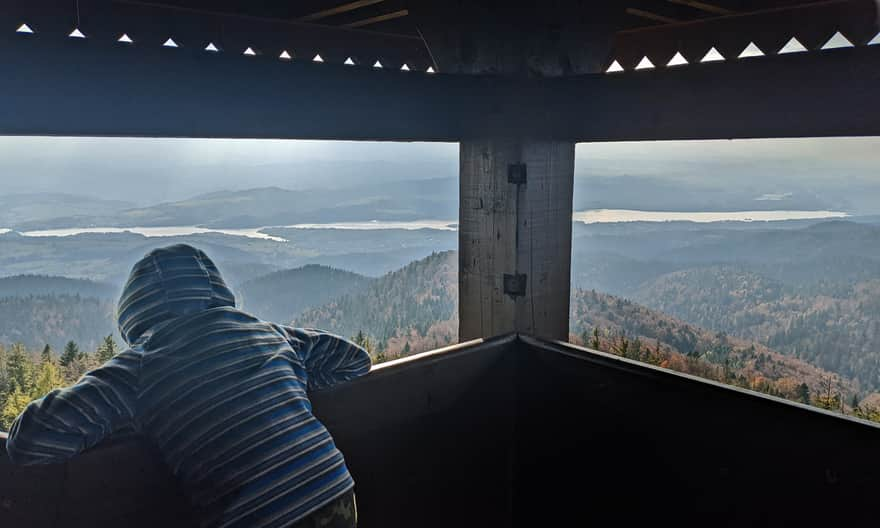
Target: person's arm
(68, 421)
(329, 359)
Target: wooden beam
(509, 229)
(344, 8)
(91, 88)
(377, 19)
(703, 6)
(651, 16)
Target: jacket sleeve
(329, 359)
(68, 421)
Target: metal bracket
(515, 284)
(517, 173)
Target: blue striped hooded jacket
(221, 393)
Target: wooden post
(517, 230)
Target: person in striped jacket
(222, 394)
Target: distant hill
(281, 296)
(27, 285)
(17, 210)
(837, 333)
(56, 319)
(273, 206)
(662, 339)
(406, 311)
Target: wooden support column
(515, 229)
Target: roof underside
(263, 78)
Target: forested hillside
(281, 296)
(37, 320)
(27, 285)
(629, 329)
(407, 311)
(837, 332)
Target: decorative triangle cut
(377, 64)
(874, 41)
(404, 68)
(793, 46)
(170, 43)
(318, 58)
(76, 33)
(614, 68)
(430, 70)
(837, 41)
(125, 39)
(349, 62)
(285, 56)
(752, 50)
(677, 60)
(249, 52)
(713, 56)
(645, 64)
(24, 28)
(212, 47)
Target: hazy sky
(156, 169)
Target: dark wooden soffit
(811, 23)
(150, 24)
(87, 88)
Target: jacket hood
(167, 283)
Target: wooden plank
(487, 231)
(544, 252)
(704, 6)
(376, 19)
(344, 8)
(650, 15)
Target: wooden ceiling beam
(377, 19)
(338, 10)
(703, 6)
(641, 13)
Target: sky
(151, 170)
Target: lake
(591, 216)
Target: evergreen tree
(71, 353)
(407, 350)
(46, 355)
(803, 393)
(15, 403)
(19, 369)
(106, 350)
(48, 378)
(595, 342)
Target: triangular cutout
(874, 41)
(430, 70)
(349, 62)
(212, 47)
(76, 33)
(318, 58)
(712, 56)
(24, 28)
(125, 39)
(170, 43)
(792, 46)
(614, 68)
(645, 64)
(377, 64)
(404, 68)
(677, 60)
(752, 50)
(249, 52)
(285, 56)
(837, 41)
